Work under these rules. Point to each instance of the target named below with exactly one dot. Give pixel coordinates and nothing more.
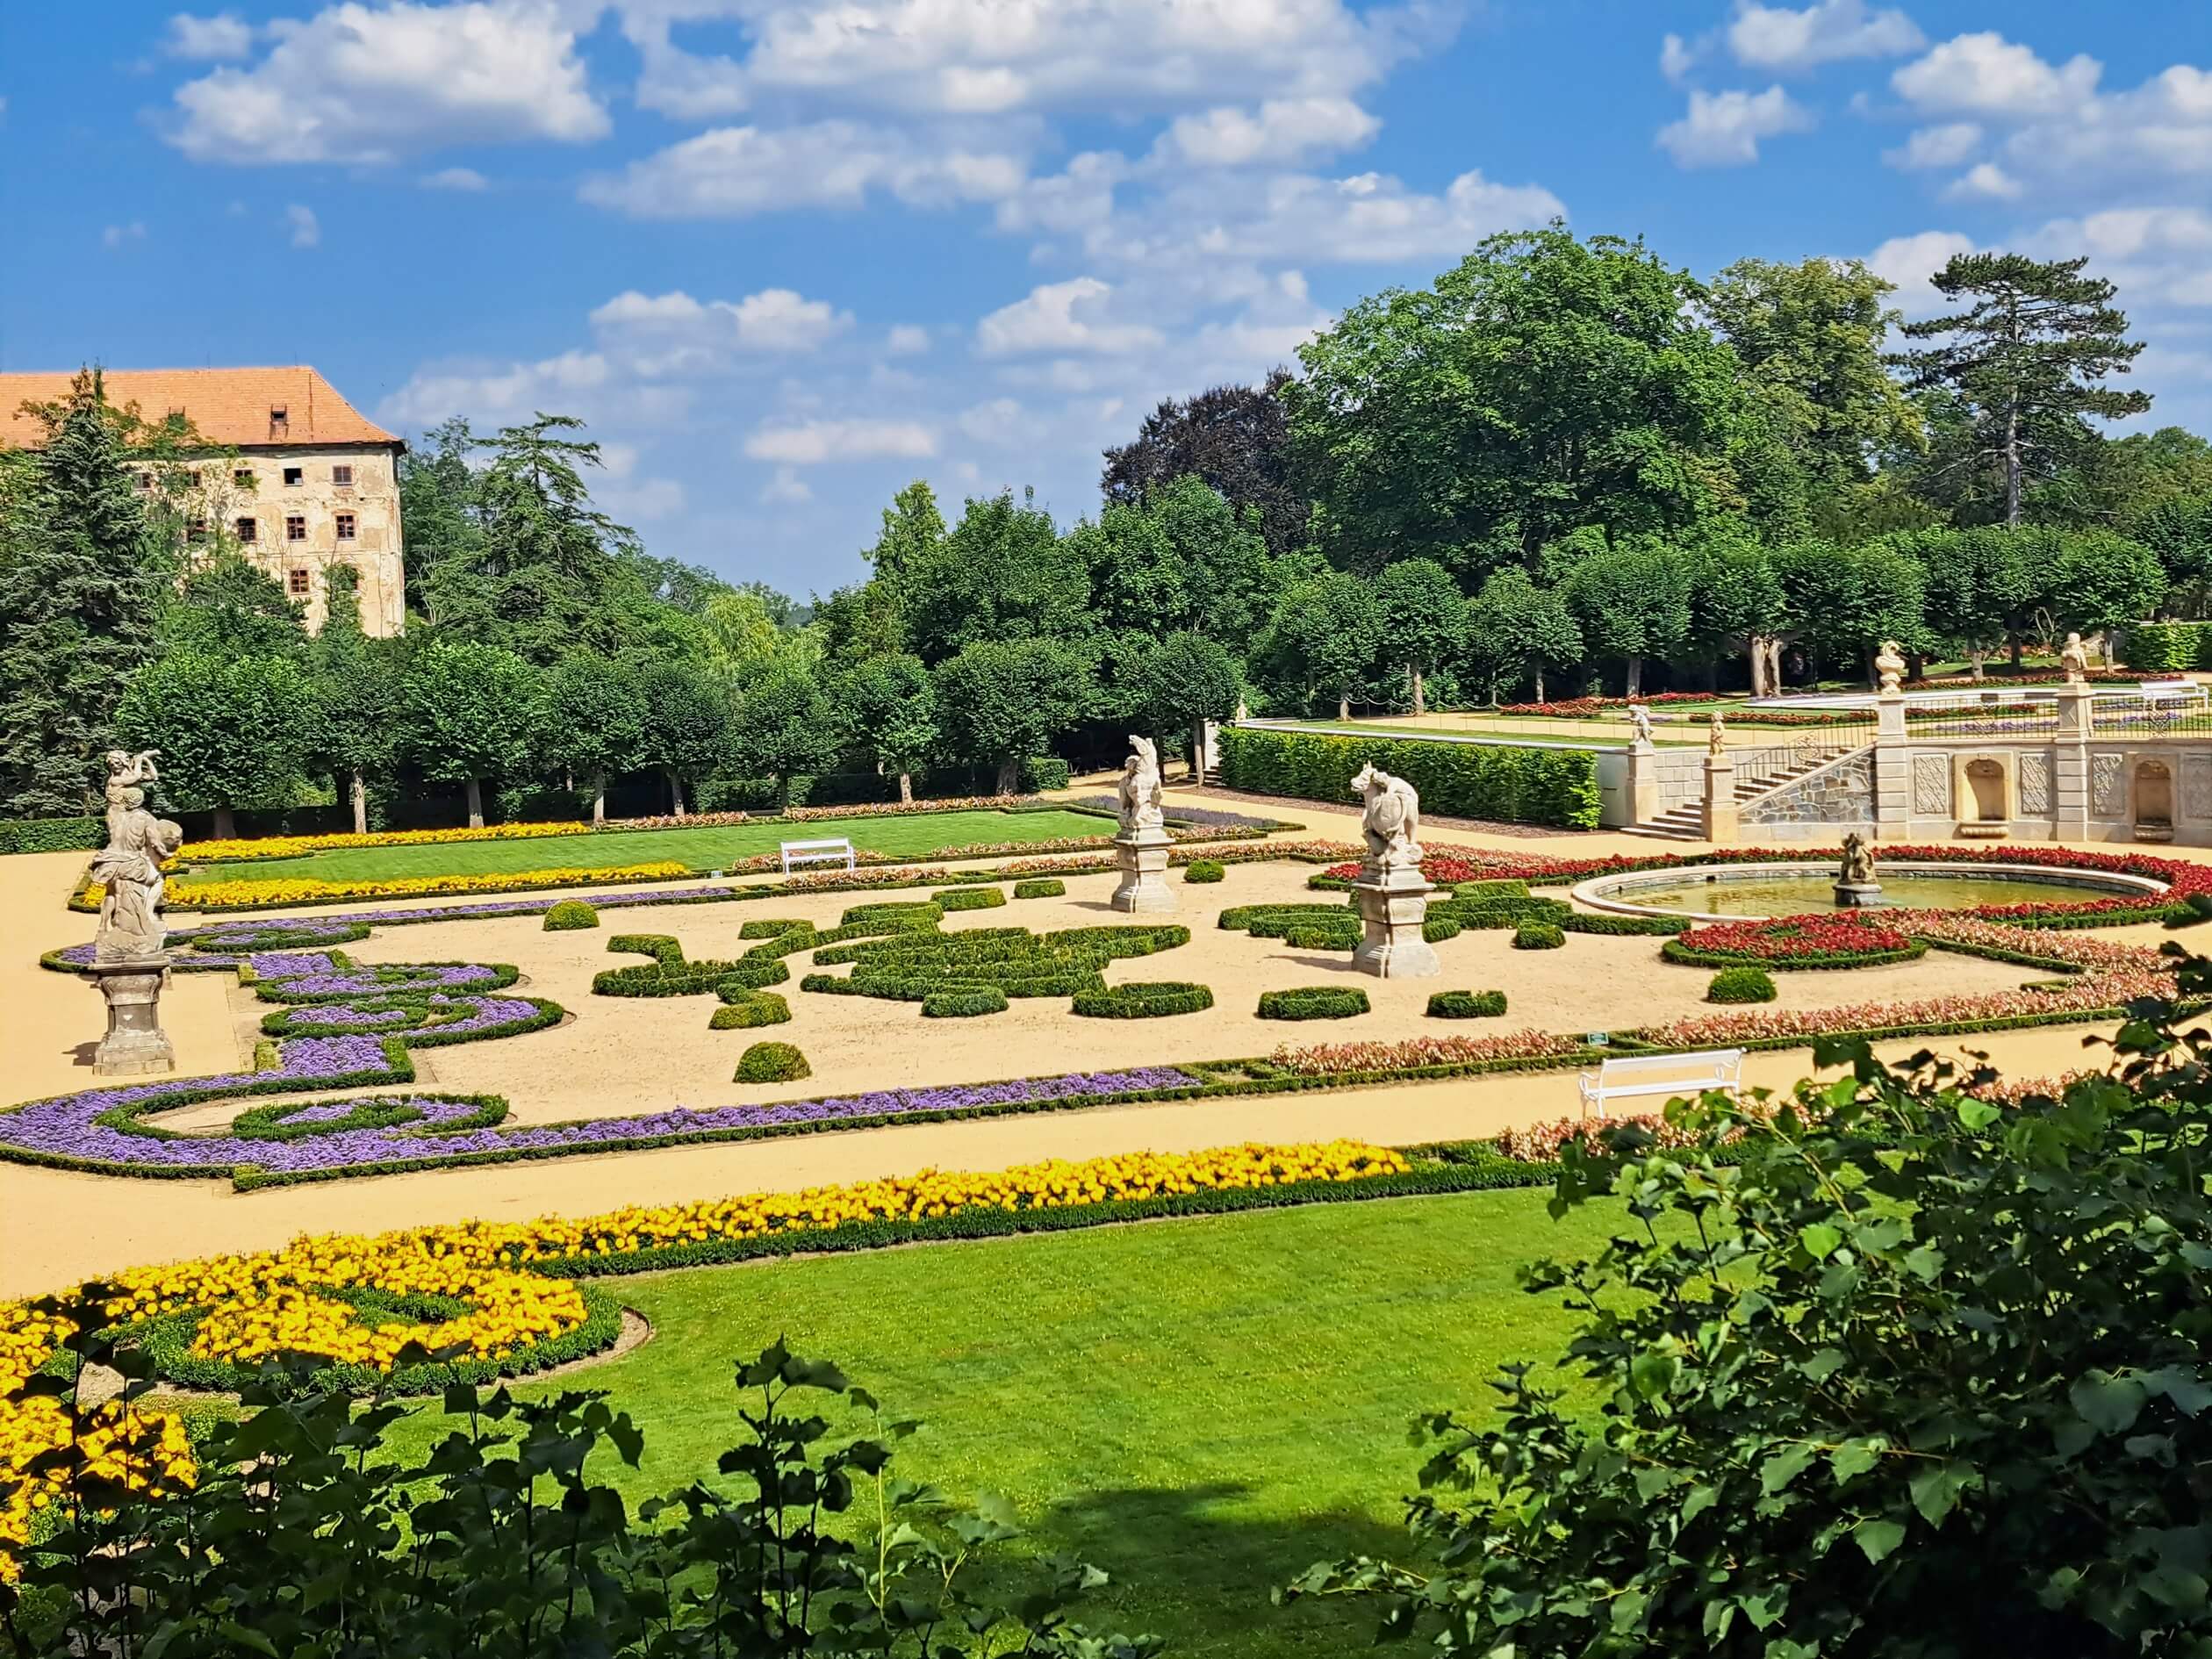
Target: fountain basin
(1755, 890)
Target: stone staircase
(1770, 770)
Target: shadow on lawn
(1188, 1565)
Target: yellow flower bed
(207, 895)
(299, 846)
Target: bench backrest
(840, 845)
(1703, 1064)
(2169, 685)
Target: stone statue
(2073, 656)
(1392, 821)
(1244, 711)
(1889, 667)
(1640, 723)
(1140, 807)
(1858, 862)
(128, 775)
(1717, 735)
(130, 960)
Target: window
(146, 480)
(341, 475)
(294, 476)
(279, 421)
(295, 527)
(296, 583)
(195, 530)
(345, 527)
(242, 478)
(246, 529)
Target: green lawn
(916, 836)
(1202, 1407)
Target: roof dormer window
(279, 419)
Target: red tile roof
(228, 405)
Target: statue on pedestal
(1140, 807)
(130, 960)
(1640, 725)
(1391, 824)
(2073, 656)
(1889, 667)
(1856, 885)
(1717, 733)
(1391, 893)
(1140, 849)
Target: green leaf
(1978, 1115)
(1877, 1538)
(1819, 1241)
(1935, 1489)
(1854, 1458)
(1764, 1608)
(1924, 1262)
(1785, 1467)
(2182, 1386)
(1651, 1375)
(2108, 1402)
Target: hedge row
(1313, 1003)
(771, 1063)
(1144, 1000)
(1492, 781)
(1466, 1005)
(52, 835)
(2156, 648)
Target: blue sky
(786, 255)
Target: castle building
(314, 484)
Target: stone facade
(1841, 793)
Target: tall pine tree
(80, 578)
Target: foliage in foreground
(302, 1536)
(1901, 1372)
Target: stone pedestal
(1859, 895)
(1393, 906)
(1643, 781)
(1719, 818)
(135, 1042)
(1142, 855)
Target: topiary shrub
(1046, 888)
(750, 1009)
(1490, 890)
(1313, 1003)
(1741, 985)
(894, 913)
(1437, 929)
(1044, 772)
(1466, 1005)
(773, 1063)
(1538, 936)
(1322, 938)
(963, 1003)
(968, 899)
(1203, 870)
(1144, 1002)
(569, 914)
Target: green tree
(1737, 604)
(1180, 559)
(688, 731)
(1003, 573)
(2178, 529)
(439, 507)
(1235, 440)
(892, 706)
(912, 531)
(232, 731)
(1326, 639)
(1844, 601)
(1544, 385)
(1631, 602)
(595, 717)
(80, 581)
(472, 716)
(227, 604)
(1517, 629)
(1424, 620)
(2100, 580)
(860, 620)
(787, 726)
(2024, 365)
(1001, 702)
(1187, 680)
(356, 696)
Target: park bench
(1637, 1076)
(2172, 695)
(838, 852)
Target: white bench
(838, 852)
(1635, 1076)
(2171, 694)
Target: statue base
(1142, 855)
(1393, 908)
(135, 1042)
(1859, 895)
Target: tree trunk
(358, 789)
(1635, 677)
(1915, 665)
(2018, 646)
(226, 824)
(906, 787)
(2012, 463)
(599, 800)
(1420, 694)
(1540, 682)
(1756, 652)
(1010, 775)
(476, 804)
(675, 791)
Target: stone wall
(1841, 794)
(252, 492)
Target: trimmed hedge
(968, 899)
(1044, 772)
(1437, 929)
(1046, 888)
(1203, 870)
(1655, 926)
(749, 1010)
(961, 1002)
(1741, 985)
(1538, 936)
(771, 1063)
(1466, 1005)
(1313, 1003)
(569, 916)
(52, 835)
(1675, 950)
(1324, 936)
(1495, 781)
(2168, 647)
(1144, 1000)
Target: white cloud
(1281, 130)
(1676, 58)
(905, 339)
(1986, 180)
(225, 35)
(811, 442)
(1945, 145)
(1788, 42)
(115, 236)
(368, 84)
(2159, 256)
(786, 489)
(307, 230)
(454, 179)
(1048, 319)
(1002, 420)
(1723, 129)
(1985, 73)
(1910, 261)
(496, 394)
(733, 171)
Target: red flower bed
(1600, 708)
(1841, 940)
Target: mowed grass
(1202, 1407)
(917, 836)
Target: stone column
(1643, 782)
(1142, 854)
(1720, 823)
(135, 1042)
(2070, 765)
(1393, 910)
(1893, 769)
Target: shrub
(2165, 648)
(910, 965)
(1437, 929)
(52, 835)
(968, 899)
(1044, 772)
(750, 1009)
(1538, 936)
(1497, 781)
(1490, 890)
(1741, 985)
(964, 1001)
(1324, 936)
(1313, 1003)
(1046, 888)
(1203, 870)
(1466, 1005)
(1626, 926)
(773, 1063)
(569, 916)
(1144, 1000)
(897, 913)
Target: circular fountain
(1795, 889)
